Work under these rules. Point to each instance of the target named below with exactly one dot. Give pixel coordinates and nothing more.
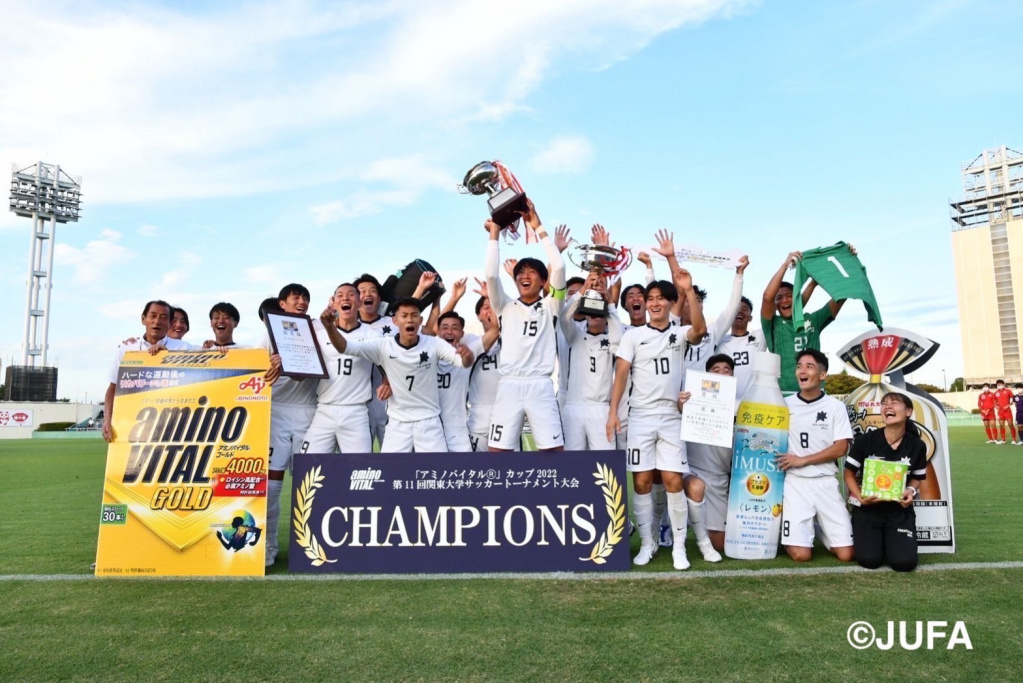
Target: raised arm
(767, 307)
(684, 284)
(556, 278)
(723, 323)
(457, 292)
(492, 267)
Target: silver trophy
(603, 261)
(506, 199)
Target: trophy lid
(481, 179)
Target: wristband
(915, 490)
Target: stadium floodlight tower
(48, 195)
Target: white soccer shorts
(586, 427)
(339, 427)
(531, 398)
(655, 443)
(288, 427)
(807, 497)
(457, 438)
(421, 436)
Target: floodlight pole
(40, 192)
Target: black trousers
(885, 533)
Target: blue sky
(228, 148)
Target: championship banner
(895, 353)
(185, 486)
(459, 512)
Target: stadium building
(987, 246)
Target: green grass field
(717, 628)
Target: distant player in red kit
(986, 403)
(1003, 406)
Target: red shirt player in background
(1003, 411)
(986, 403)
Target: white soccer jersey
(697, 354)
(590, 359)
(348, 382)
(656, 358)
(292, 392)
(813, 426)
(141, 344)
(483, 378)
(528, 337)
(453, 386)
(741, 350)
(412, 372)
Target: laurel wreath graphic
(303, 509)
(615, 510)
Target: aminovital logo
(363, 480)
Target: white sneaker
(645, 554)
(1000, 442)
(667, 536)
(271, 556)
(991, 441)
(708, 552)
(678, 556)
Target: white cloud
(148, 230)
(96, 260)
(158, 104)
(565, 154)
(409, 177)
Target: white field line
(538, 576)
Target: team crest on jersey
(822, 416)
(752, 340)
(424, 358)
(386, 329)
(673, 341)
(605, 343)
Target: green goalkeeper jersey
(783, 339)
(839, 273)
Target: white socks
(697, 519)
(678, 511)
(273, 510)
(643, 513)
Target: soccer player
(819, 434)
(653, 356)
(156, 317)
(528, 344)
(410, 360)
(713, 466)
(224, 318)
(292, 406)
(453, 379)
(986, 403)
(1003, 411)
(369, 314)
(779, 330)
(179, 323)
(740, 344)
(590, 362)
(886, 530)
(341, 421)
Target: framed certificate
(708, 416)
(293, 339)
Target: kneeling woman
(885, 531)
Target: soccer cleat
(708, 552)
(991, 441)
(271, 556)
(645, 554)
(678, 557)
(667, 537)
